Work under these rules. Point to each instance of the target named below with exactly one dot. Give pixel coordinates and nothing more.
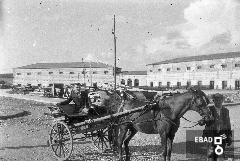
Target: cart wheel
(101, 140)
(61, 141)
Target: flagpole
(115, 55)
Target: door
(168, 84)
(237, 84)
(224, 84)
(211, 86)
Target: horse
(110, 102)
(161, 117)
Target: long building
(45, 74)
(215, 71)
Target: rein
(163, 117)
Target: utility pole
(115, 55)
(91, 72)
(84, 71)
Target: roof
(6, 75)
(134, 72)
(200, 58)
(66, 65)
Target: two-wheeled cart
(69, 127)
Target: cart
(69, 127)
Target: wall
(142, 79)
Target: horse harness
(163, 117)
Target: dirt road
(24, 137)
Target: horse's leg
(169, 148)
(164, 144)
(132, 132)
(121, 137)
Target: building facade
(133, 78)
(216, 71)
(45, 74)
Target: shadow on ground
(188, 150)
(148, 152)
(20, 114)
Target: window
(94, 72)
(50, 72)
(212, 66)
(18, 73)
(71, 72)
(159, 84)
(237, 65)
(105, 72)
(39, 73)
(178, 68)
(60, 72)
(188, 68)
(224, 65)
(159, 70)
(28, 73)
(150, 70)
(199, 67)
(168, 69)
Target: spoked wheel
(101, 140)
(61, 141)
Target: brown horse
(162, 117)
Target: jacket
(80, 99)
(220, 125)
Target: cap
(217, 96)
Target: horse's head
(199, 103)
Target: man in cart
(219, 127)
(79, 96)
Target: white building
(218, 71)
(133, 78)
(46, 74)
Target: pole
(115, 55)
(91, 72)
(84, 71)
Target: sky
(148, 31)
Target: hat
(217, 96)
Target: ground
(25, 126)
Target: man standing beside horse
(219, 127)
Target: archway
(123, 82)
(129, 82)
(136, 82)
